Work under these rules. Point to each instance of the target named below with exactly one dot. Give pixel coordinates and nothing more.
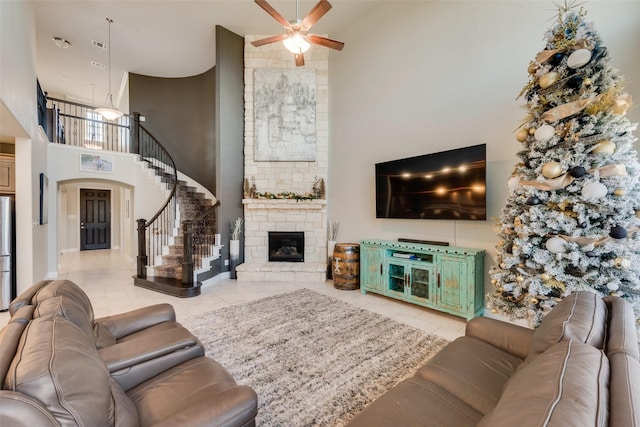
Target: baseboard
(216, 279)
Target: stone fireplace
(264, 215)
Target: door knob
(82, 225)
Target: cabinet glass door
(421, 279)
(396, 278)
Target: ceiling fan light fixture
(296, 43)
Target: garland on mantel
(318, 192)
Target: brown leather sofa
(579, 368)
(61, 367)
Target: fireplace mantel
(290, 204)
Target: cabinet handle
(381, 269)
(438, 280)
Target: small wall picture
(96, 163)
(44, 197)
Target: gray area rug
(313, 360)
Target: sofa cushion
(565, 386)
(624, 390)
(68, 289)
(67, 308)
(417, 402)
(169, 398)
(26, 297)
(9, 338)
(57, 364)
(622, 336)
(582, 316)
(472, 370)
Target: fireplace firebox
(287, 246)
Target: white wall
(418, 77)
(128, 182)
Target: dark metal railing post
(187, 244)
(142, 249)
(135, 134)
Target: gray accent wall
(180, 112)
(229, 129)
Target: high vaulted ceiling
(156, 38)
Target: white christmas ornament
(613, 286)
(579, 58)
(513, 184)
(594, 190)
(544, 133)
(556, 245)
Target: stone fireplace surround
(264, 215)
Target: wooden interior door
(95, 219)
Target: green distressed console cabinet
(443, 278)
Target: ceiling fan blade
(267, 40)
(299, 59)
(323, 41)
(316, 13)
(271, 11)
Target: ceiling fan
(297, 38)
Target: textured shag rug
(312, 359)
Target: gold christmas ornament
(519, 279)
(548, 79)
(552, 170)
(532, 131)
(494, 311)
(620, 192)
(522, 135)
(534, 301)
(517, 221)
(605, 147)
(587, 82)
(545, 277)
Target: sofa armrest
(134, 352)
(123, 324)
(508, 337)
(20, 410)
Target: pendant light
(109, 112)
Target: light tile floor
(106, 277)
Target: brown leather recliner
(579, 368)
(54, 374)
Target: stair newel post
(135, 134)
(187, 242)
(142, 248)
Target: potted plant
(235, 229)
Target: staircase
(165, 271)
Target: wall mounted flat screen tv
(446, 185)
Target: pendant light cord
(110, 21)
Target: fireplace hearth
(286, 246)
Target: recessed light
(98, 65)
(99, 44)
(61, 43)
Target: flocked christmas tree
(571, 220)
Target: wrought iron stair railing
(78, 125)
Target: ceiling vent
(98, 65)
(99, 44)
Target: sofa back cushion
(565, 386)
(26, 297)
(622, 337)
(10, 337)
(57, 364)
(624, 390)
(582, 316)
(67, 308)
(67, 289)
